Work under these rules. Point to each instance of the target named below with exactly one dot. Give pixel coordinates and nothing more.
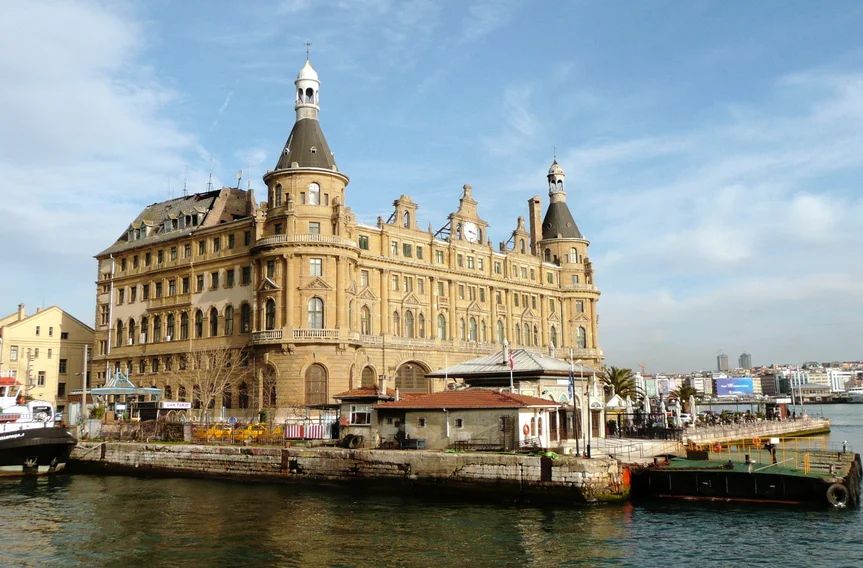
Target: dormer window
(313, 150)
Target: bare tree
(206, 373)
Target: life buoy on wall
(717, 447)
(526, 429)
(756, 442)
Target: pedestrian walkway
(629, 450)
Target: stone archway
(411, 377)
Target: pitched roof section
(558, 221)
(305, 137)
(524, 362)
(366, 392)
(475, 399)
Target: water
(86, 520)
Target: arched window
(407, 220)
(184, 325)
(316, 313)
(472, 329)
(169, 330)
(145, 329)
(483, 335)
(533, 426)
(270, 314)
(157, 329)
(278, 198)
(409, 324)
(499, 331)
(196, 396)
(526, 334)
(458, 231)
(397, 324)
(517, 334)
(581, 338)
(548, 255)
(461, 329)
(422, 326)
(314, 194)
(245, 318)
(119, 334)
(553, 336)
(535, 335)
(441, 326)
(316, 385)
(181, 394)
(573, 255)
(365, 321)
(243, 395)
(521, 246)
(369, 379)
(132, 331)
(229, 320)
(169, 393)
(539, 426)
(410, 377)
(199, 324)
(214, 322)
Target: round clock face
(470, 232)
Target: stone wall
(567, 479)
(764, 430)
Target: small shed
(355, 411)
(482, 419)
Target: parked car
(686, 418)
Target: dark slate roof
(558, 220)
(306, 134)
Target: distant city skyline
(711, 149)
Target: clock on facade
(470, 232)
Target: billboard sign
(734, 386)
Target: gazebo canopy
(120, 384)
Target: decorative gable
(528, 313)
(268, 285)
(316, 283)
(581, 317)
(475, 307)
(554, 317)
(352, 288)
(411, 300)
(367, 294)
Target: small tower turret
(556, 191)
(308, 87)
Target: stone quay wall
(763, 430)
(533, 478)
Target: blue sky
(713, 150)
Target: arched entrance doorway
(410, 377)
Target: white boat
(30, 442)
(855, 394)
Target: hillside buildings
(315, 302)
(44, 351)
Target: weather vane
(308, 44)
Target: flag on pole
(511, 362)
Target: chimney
(397, 395)
(21, 313)
(38, 309)
(534, 205)
(383, 384)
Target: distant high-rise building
(745, 361)
(722, 362)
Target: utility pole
(84, 383)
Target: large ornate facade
(320, 303)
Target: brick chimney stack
(534, 205)
(21, 312)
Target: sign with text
(174, 405)
(734, 386)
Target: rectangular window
(394, 248)
(36, 353)
(49, 352)
(364, 242)
(41, 379)
(497, 268)
(185, 285)
(460, 260)
(63, 364)
(419, 252)
(551, 305)
(61, 390)
(314, 228)
(158, 289)
(440, 289)
(214, 280)
(302, 198)
(278, 228)
(173, 253)
(247, 238)
(482, 294)
(459, 423)
(64, 335)
(13, 353)
(395, 282)
(187, 250)
(231, 241)
(229, 277)
(479, 263)
(471, 293)
(145, 292)
(533, 302)
(523, 272)
(135, 261)
(579, 306)
(247, 275)
(133, 293)
(121, 301)
(364, 278)
(361, 414)
(470, 262)
(408, 284)
(550, 277)
(172, 287)
(407, 250)
(524, 300)
(438, 256)
(497, 297)
(202, 248)
(154, 364)
(515, 299)
(532, 274)
(123, 264)
(147, 259)
(199, 283)
(160, 257)
(217, 244)
(461, 291)
(421, 423)
(121, 297)
(421, 285)
(316, 267)
(271, 269)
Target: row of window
(63, 334)
(214, 245)
(170, 286)
(133, 332)
(312, 197)
(33, 353)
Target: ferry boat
(855, 394)
(30, 442)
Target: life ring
(717, 448)
(526, 429)
(756, 442)
(837, 495)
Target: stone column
(341, 300)
(290, 288)
(385, 302)
(453, 317)
(543, 316)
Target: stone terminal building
(316, 302)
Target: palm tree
(682, 395)
(622, 382)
